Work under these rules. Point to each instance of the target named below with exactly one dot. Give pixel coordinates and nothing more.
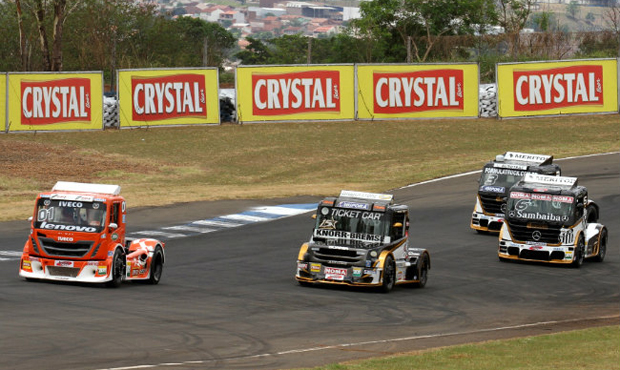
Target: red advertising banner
(161, 97)
(55, 101)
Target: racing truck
(497, 178)
(77, 234)
(551, 219)
(362, 239)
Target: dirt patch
(49, 163)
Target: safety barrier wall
(59, 101)
(166, 97)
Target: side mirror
(113, 226)
(398, 224)
(313, 216)
(30, 219)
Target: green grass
(591, 349)
(160, 166)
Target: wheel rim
(157, 270)
(389, 275)
(423, 275)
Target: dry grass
(168, 165)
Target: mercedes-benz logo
(536, 235)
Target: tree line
(55, 35)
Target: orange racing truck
(77, 234)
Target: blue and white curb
(254, 215)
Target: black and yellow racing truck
(362, 239)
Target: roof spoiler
(87, 188)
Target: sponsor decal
(346, 235)
(63, 263)
(333, 273)
(55, 101)
(354, 205)
(166, 97)
(295, 92)
(369, 272)
(419, 91)
(503, 171)
(338, 212)
(328, 223)
(50, 226)
(302, 266)
(65, 239)
(510, 166)
(315, 267)
(539, 216)
(493, 189)
(102, 270)
(525, 157)
(558, 87)
(357, 272)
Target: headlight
(373, 254)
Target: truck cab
(78, 234)
(361, 239)
(551, 219)
(496, 179)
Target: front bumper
(312, 272)
(488, 223)
(562, 254)
(65, 270)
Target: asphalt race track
(228, 299)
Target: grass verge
(159, 166)
(591, 349)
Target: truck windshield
(351, 225)
(499, 178)
(541, 207)
(70, 215)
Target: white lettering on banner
(410, 92)
(307, 93)
(55, 102)
(558, 88)
(169, 97)
(49, 226)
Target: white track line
(354, 344)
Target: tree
(512, 16)
(419, 23)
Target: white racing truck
(497, 178)
(551, 219)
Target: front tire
(389, 275)
(118, 269)
(580, 251)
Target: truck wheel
(423, 274)
(602, 248)
(579, 253)
(118, 269)
(389, 275)
(157, 268)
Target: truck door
(117, 216)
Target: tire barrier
(488, 100)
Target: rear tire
(157, 268)
(602, 248)
(423, 274)
(389, 275)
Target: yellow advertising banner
(423, 90)
(295, 93)
(165, 97)
(558, 87)
(55, 101)
(3, 111)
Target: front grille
(523, 233)
(541, 255)
(63, 271)
(490, 204)
(342, 255)
(58, 249)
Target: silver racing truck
(497, 177)
(362, 239)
